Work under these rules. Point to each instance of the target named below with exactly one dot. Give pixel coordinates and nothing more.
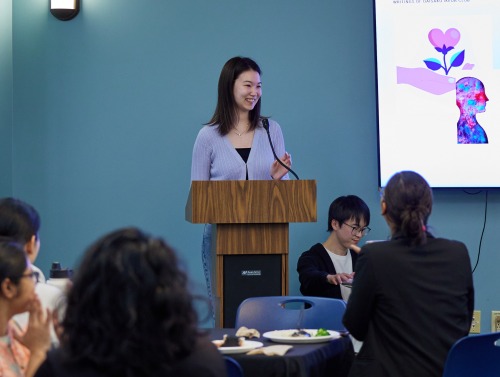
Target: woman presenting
(234, 145)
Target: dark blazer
(409, 304)
(313, 266)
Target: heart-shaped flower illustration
(444, 42)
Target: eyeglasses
(357, 230)
(33, 275)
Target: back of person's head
(225, 111)
(18, 220)
(467, 89)
(408, 200)
(129, 309)
(12, 261)
(348, 207)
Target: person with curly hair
(129, 313)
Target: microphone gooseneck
(265, 124)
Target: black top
(409, 304)
(244, 153)
(313, 266)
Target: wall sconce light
(64, 10)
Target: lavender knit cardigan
(215, 158)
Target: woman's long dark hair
(409, 205)
(225, 114)
(129, 310)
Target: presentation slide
(438, 90)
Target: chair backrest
(474, 355)
(290, 312)
(233, 367)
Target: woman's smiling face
(247, 90)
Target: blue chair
(290, 312)
(474, 355)
(233, 367)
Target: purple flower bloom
(444, 43)
(442, 40)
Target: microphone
(265, 124)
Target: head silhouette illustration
(471, 99)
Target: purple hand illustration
(426, 80)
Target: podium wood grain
(233, 202)
(250, 217)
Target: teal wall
(5, 97)
(106, 108)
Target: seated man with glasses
(326, 269)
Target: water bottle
(59, 277)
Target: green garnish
(322, 332)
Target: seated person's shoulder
(452, 245)
(314, 250)
(310, 256)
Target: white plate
(248, 345)
(285, 336)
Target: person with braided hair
(412, 296)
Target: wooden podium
(250, 219)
